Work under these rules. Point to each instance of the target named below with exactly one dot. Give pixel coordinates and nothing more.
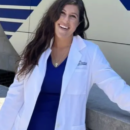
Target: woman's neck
(61, 43)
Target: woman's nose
(66, 19)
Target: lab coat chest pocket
(78, 82)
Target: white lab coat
(85, 66)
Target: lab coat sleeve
(109, 81)
(11, 105)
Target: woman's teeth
(62, 26)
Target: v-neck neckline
(59, 64)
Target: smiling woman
(66, 25)
(56, 72)
(63, 20)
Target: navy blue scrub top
(44, 114)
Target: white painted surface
(37, 14)
(109, 21)
(16, 7)
(25, 26)
(19, 41)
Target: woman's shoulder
(90, 46)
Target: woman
(56, 72)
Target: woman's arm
(109, 81)
(12, 105)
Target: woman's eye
(73, 16)
(62, 13)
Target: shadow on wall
(8, 60)
(8, 55)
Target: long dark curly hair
(45, 32)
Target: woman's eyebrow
(71, 13)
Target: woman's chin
(63, 36)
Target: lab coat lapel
(34, 86)
(72, 62)
(42, 65)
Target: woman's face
(66, 25)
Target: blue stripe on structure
(35, 2)
(20, 2)
(126, 3)
(14, 13)
(10, 26)
(16, 2)
(9, 36)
